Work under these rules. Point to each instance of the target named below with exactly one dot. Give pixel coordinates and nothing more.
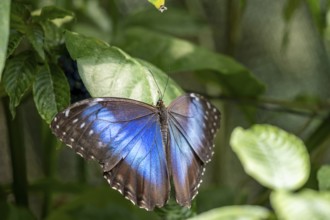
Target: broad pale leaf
(50, 91)
(245, 212)
(18, 77)
(4, 30)
(323, 176)
(305, 205)
(109, 71)
(275, 158)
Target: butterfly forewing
(124, 136)
(193, 123)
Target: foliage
(125, 48)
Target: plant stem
(17, 153)
(49, 143)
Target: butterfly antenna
(159, 92)
(168, 78)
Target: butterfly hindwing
(124, 136)
(193, 123)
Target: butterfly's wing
(192, 122)
(124, 136)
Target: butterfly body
(141, 147)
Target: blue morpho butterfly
(140, 147)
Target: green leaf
(177, 22)
(54, 35)
(35, 35)
(53, 12)
(51, 91)
(275, 158)
(18, 77)
(14, 40)
(323, 176)
(235, 213)
(175, 55)
(305, 205)
(19, 15)
(4, 30)
(109, 71)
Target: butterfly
(144, 149)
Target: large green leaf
(245, 212)
(323, 176)
(51, 91)
(4, 30)
(272, 156)
(306, 205)
(175, 55)
(175, 21)
(18, 77)
(109, 71)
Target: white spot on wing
(98, 99)
(90, 132)
(55, 119)
(82, 125)
(75, 120)
(67, 112)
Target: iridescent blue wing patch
(124, 136)
(193, 123)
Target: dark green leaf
(51, 91)
(18, 77)
(53, 12)
(319, 135)
(109, 71)
(54, 35)
(19, 15)
(177, 22)
(175, 55)
(323, 176)
(4, 30)
(14, 40)
(35, 35)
